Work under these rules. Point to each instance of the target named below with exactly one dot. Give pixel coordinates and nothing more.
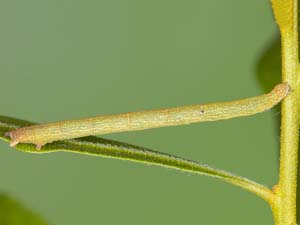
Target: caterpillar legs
(14, 142)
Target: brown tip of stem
(275, 189)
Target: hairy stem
(284, 207)
(113, 149)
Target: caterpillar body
(46, 133)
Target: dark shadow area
(268, 72)
(268, 75)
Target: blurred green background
(64, 59)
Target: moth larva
(49, 132)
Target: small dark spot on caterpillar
(202, 111)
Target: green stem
(107, 148)
(284, 207)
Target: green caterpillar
(49, 132)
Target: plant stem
(100, 147)
(284, 207)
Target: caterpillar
(48, 132)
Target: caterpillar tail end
(13, 142)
